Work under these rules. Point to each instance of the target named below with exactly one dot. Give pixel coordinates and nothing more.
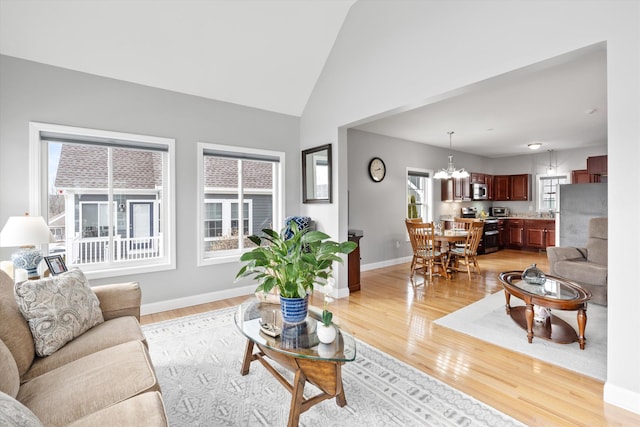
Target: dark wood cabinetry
(597, 165)
(455, 189)
(515, 233)
(354, 265)
(540, 234)
(530, 234)
(503, 235)
(512, 187)
(520, 185)
(580, 176)
(478, 178)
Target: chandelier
(451, 171)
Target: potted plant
(326, 332)
(293, 266)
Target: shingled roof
(223, 173)
(85, 166)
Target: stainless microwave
(480, 192)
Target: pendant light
(451, 171)
(550, 170)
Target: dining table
(450, 238)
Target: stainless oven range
(489, 242)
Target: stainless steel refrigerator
(579, 203)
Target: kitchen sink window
(548, 191)
(419, 194)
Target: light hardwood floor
(393, 316)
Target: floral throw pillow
(14, 413)
(58, 309)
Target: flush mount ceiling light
(534, 146)
(450, 171)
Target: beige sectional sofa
(102, 377)
(587, 266)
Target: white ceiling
(269, 54)
(263, 54)
(561, 103)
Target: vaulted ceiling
(269, 54)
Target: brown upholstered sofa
(586, 266)
(102, 377)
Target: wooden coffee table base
(326, 375)
(554, 329)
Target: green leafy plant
(292, 265)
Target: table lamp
(26, 231)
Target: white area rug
(198, 358)
(487, 320)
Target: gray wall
(31, 91)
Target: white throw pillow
(58, 309)
(14, 413)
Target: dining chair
(468, 253)
(426, 254)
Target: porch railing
(94, 250)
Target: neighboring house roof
(57, 221)
(85, 166)
(223, 173)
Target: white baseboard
(624, 398)
(157, 307)
(386, 263)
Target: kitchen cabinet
(512, 187)
(597, 165)
(502, 234)
(501, 187)
(520, 187)
(478, 178)
(455, 190)
(489, 181)
(582, 176)
(446, 190)
(540, 234)
(515, 233)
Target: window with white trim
(419, 194)
(229, 177)
(80, 172)
(548, 191)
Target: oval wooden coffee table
(556, 293)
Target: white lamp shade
(25, 231)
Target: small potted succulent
(293, 265)
(326, 332)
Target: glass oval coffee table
(555, 293)
(297, 349)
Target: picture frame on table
(56, 264)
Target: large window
(419, 195)
(107, 196)
(230, 177)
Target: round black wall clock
(377, 169)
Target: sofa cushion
(582, 272)
(15, 414)
(58, 309)
(90, 384)
(597, 241)
(104, 335)
(144, 410)
(14, 329)
(9, 377)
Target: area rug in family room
(487, 320)
(198, 360)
